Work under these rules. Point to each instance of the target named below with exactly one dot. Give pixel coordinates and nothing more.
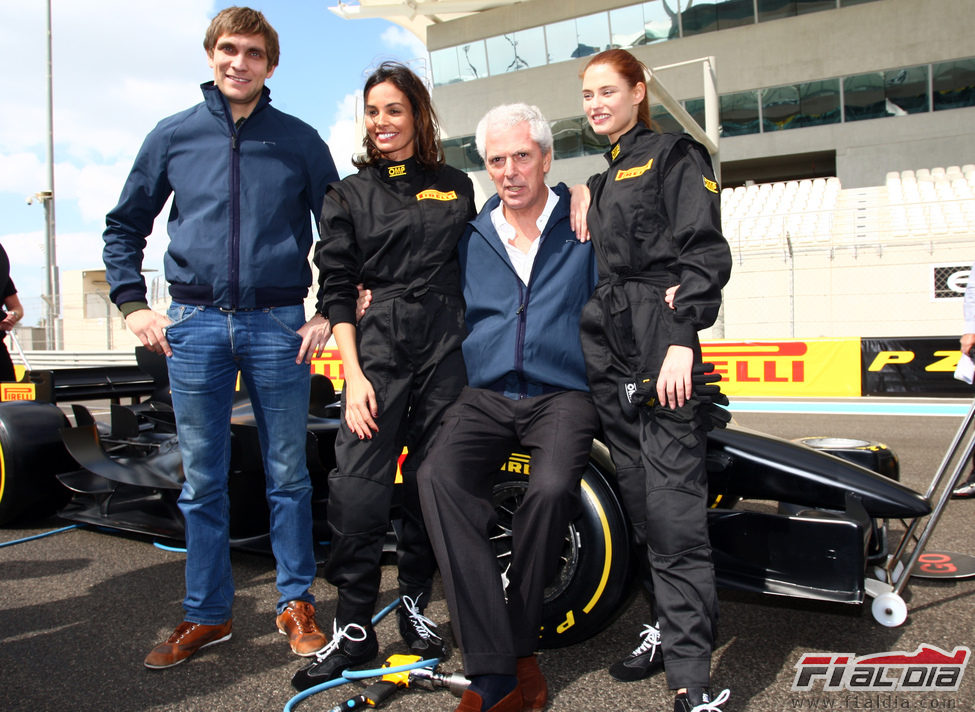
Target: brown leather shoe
(534, 689)
(297, 621)
(186, 640)
(472, 702)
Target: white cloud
(115, 74)
(96, 187)
(396, 37)
(22, 173)
(344, 138)
(106, 55)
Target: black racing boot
(419, 632)
(351, 645)
(645, 660)
(698, 699)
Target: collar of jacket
(622, 147)
(217, 103)
(398, 171)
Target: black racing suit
(394, 227)
(655, 222)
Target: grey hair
(507, 115)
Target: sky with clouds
(119, 66)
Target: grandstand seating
(925, 203)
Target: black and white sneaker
(419, 632)
(645, 660)
(350, 645)
(698, 699)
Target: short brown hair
(427, 149)
(633, 72)
(243, 21)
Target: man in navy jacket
(526, 278)
(246, 180)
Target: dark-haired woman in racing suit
(654, 221)
(394, 227)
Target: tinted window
(516, 50)
(907, 90)
(954, 84)
(459, 64)
(576, 38)
(739, 114)
(644, 24)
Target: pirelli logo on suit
(432, 194)
(634, 172)
(710, 184)
(399, 170)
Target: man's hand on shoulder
(150, 327)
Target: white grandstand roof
(416, 15)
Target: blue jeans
(209, 348)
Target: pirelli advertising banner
(922, 366)
(815, 367)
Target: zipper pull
(521, 308)
(236, 131)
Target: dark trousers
(416, 373)
(663, 483)
(477, 435)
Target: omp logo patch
(436, 195)
(616, 151)
(634, 172)
(710, 184)
(399, 170)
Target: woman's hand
(360, 406)
(314, 334)
(578, 209)
(674, 385)
(670, 294)
(362, 302)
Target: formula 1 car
(801, 518)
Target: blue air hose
(44, 534)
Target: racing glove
(642, 391)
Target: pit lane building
(846, 142)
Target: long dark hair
(633, 72)
(426, 129)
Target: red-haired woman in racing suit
(654, 221)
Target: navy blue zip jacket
(530, 332)
(240, 228)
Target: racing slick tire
(595, 570)
(31, 454)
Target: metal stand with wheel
(909, 559)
